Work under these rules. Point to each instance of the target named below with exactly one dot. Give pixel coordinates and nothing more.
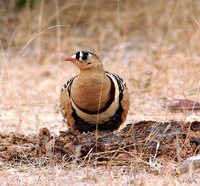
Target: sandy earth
(155, 48)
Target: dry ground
(153, 45)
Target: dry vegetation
(153, 45)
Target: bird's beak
(74, 60)
(71, 59)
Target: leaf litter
(143, 141)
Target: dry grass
(153, 45)
(90, 176)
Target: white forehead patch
(74, 56)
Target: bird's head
(86, 60)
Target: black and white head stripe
(84, 55)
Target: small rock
(190, 164)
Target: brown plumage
(94, 99)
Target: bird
(94, 99)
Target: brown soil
(144, 141)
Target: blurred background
(152, 44)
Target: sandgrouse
(94, 99)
